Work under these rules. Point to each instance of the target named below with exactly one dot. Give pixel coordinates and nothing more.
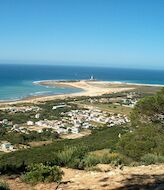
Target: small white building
(5, 121)
(30, 123)
(40, 130)
(6, 146)
(58, 106)
(37, 116)
(75, 130)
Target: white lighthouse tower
(92, 77)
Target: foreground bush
(4, 186)
(101, 157)
(71, 156)
(148, 159)
(41, 173)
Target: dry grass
(75, 136)
(39, 143)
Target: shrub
(90, 160)
(71, 156)
(42, 173)
(101, 157)
(148, 159)
(4, 186)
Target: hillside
(141, 177)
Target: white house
(6, 146)
(37, 116)
(58, 106)
(29, 123)
(75, 130)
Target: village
(73, 121)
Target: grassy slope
(100, 139)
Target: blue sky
(114, 33)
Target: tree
(144, 140)
(149, 110)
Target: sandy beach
(89, 88)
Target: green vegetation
(148, 159)
(62, 152)
(17, 118)
(148, 110)
(71, 156)
(22, 138)
(108, 107)
(4, 186)
(144, 140)
(41, 173)
(140, 142)
(114, 108)
(48, 113)
(102, 157)
(147, 133)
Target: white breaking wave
(40, 93)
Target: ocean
(16, 80)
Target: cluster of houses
(85, 117)
(72, 121)
(130, 100)
(22, 109)
(75, 120)
(61, 127)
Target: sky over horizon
(113, 33)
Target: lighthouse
(92, 77)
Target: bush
(144, 140)
(42, 173)
(90, 160)
(71, 156)
(148, 159)
(100, 157)
(4, 186)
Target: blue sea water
(16, 80)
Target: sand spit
(89, 88)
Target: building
(29, 123)
(92, 77)
(58, 106)
(75, 130)
(37, 116)
(6, 146)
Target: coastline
(88, 88)
(110, 82)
